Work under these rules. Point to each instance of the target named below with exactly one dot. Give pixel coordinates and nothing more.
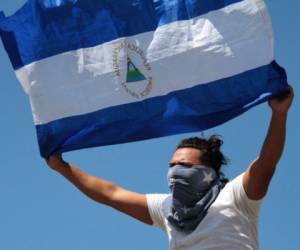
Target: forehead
(190, 155)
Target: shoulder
(158, 204)
(158, 201)
(234, 192)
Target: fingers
(291, 90)
(54, 158)
(286, 95)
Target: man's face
(186, 156)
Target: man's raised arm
(133, 204)
(259, 174)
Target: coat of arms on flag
(141, 84)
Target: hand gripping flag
(102, 72)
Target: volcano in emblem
(133, 74)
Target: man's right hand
(56, 162)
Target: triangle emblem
(133, 74)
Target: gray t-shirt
(230, 224)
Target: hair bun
(215, 143)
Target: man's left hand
(281, 104)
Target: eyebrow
(188, 164)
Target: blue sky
(39, 210)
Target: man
(203, 211)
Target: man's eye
(186, 165)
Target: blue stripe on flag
(36, 32)
(193, 109)
(2, 16)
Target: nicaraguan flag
(102, 72)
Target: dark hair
(210, 148)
